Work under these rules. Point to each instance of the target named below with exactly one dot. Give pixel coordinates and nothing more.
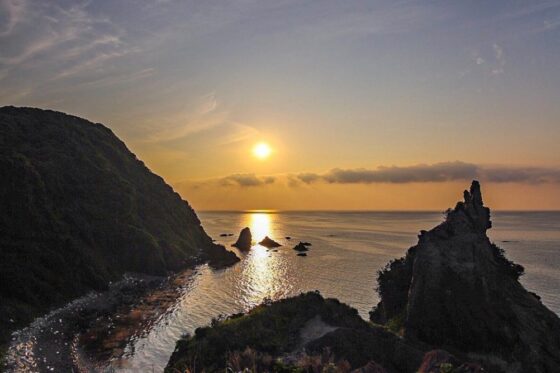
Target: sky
(368, 105)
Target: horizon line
(274, 211)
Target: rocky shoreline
(86, 334)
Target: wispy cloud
(492, 62)
(500, 59)
(199, 115)
(529, 9)
(14, 10)
(50, 41)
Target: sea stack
(455, 288)
(301, 247)
(269, 243)
(245, 239)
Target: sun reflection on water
(264, 270)
(259, 223)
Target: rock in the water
(302, 254)
(288, 237)
(223, 235)
(219, 257)
(268, 242)
(301, 247)
(306, 243)
(456, 288)
(245, 239)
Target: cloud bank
(246, 180)
(437, 172)
(421, 173)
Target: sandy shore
(86, 334)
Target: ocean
(348, 248)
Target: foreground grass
(272, 328)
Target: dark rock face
(455, 288)
(301, 247)
(79, 210)
(245, 239)
(218, 257)
(269, 242)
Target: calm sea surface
(348, 249)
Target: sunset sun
(262, 150)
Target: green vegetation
(261, 340)
(273, 328)
(510, 268)
(396, 324)
(79, 210)
(393, 284)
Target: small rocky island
(269, 243)
(245, 239)
(452, 304)
(301, 248)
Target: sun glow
(262, 150)
(260, 226)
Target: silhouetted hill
(78, 210)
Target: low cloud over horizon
(246, 180)
(437, 172)
(420, 173)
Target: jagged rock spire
(456, 288)
(471, 213)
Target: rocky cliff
(78, 210)
(455, 289)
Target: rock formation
(269, 242)
(78, 210)
(456, 289)
(245, 239)
(218, 257)
(301, 247)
